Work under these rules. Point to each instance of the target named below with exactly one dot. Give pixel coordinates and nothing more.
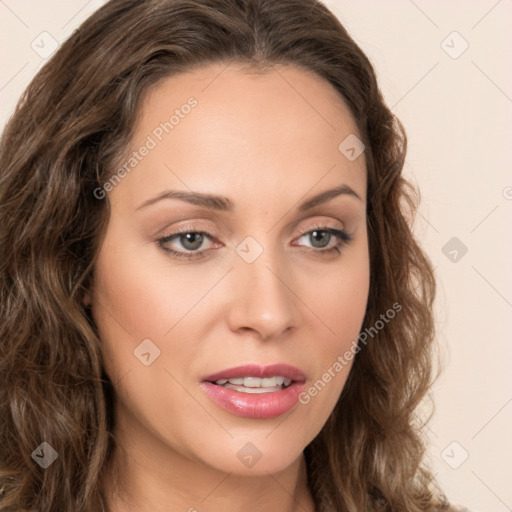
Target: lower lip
(255, 405)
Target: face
(217, 257)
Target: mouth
(254, 378)
(255, 384)
(256, 391)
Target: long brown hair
(70, 127)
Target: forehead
(236, 88)
(250, 126)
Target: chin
(253, 456)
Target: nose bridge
(262, 299)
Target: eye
(190, 241)
(321, 237)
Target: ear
(86, 300)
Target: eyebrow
(221, 203)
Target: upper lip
(256, 370)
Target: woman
(210, 292)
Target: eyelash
(343, 237)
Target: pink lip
(260, 405)
(255, 370)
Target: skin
(267, 142)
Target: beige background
(457, 108)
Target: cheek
(138, 297)
(338, 302)
(343, 303)
(338, 298)
(143, 297)
(135, 304)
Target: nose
(262, 299)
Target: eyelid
(320, 226)
(187, 228)
(195, 228)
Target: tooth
(251, 382)
(256, 382)
(269, 382)
(244, 389)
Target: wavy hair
(70, 126)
